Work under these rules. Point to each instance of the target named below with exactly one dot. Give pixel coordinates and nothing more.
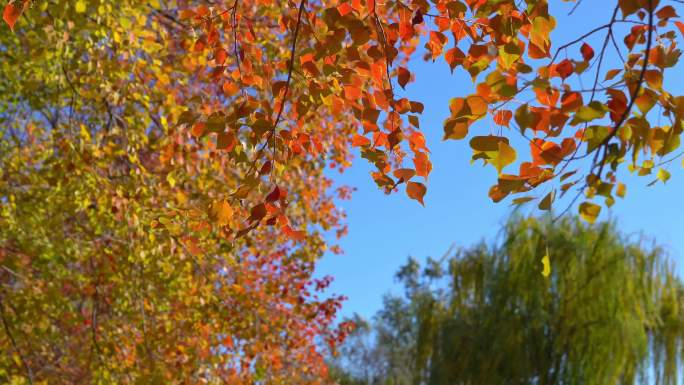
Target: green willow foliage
(609, 313)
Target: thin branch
(8, 331)
(289, 79)
(639, 85)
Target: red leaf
(257, 212)
(266, 168)
(418, 18)
(404, 77)
(12, 12)
(587, 52)
(274, 195)
(221, 55)
(565, 68)
(225, 141)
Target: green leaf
(594, 110)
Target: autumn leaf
(197, 118)
(274, 195)
(221, 212)
(546, 265)
(565, 68)
(546, 203)
(404, 174)
(503, 117)
(422, 164)
(257, 212)
(505, 156)
(13, 11)
(587, 52)
(404, 76)
(416, 191)
(589, 211)
(80, 6)
(360, 141)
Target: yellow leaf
(505, 156)
(663, 175)
(170, 179)
(621, 190)
(81, 6)
(546, 263)
(589, 211)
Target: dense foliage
(117, 259)
(609, 311)
(162, 191)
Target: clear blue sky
(385, 230)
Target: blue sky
(384, 230)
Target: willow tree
(599, 309)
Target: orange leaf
(654, 78)
(417, 141)
(503, 117)
(416, 191)
(360, 141)
(221, 212)
(404, 174)
(198, 129)
(422, 163)
(477, 104)
(344, 9)
(680, 26)
(293, 234)
(666, 12)
(352, 93)
(186, 14)
(454, 57)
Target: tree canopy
(163, 196)
(604, 310)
